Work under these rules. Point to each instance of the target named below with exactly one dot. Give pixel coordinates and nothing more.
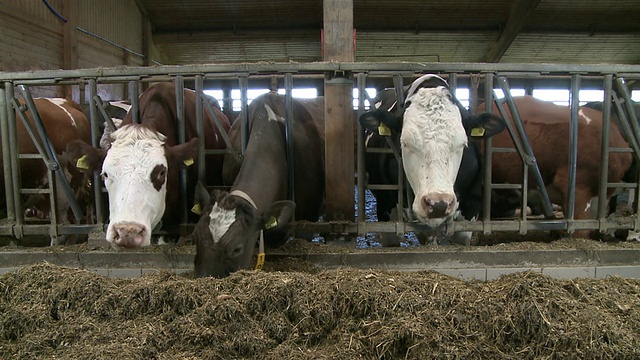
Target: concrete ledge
(478, 265)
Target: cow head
(433, 129)
(229, 228)
(136, 170)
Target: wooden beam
(520, 12)
(339, 120)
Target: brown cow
(547, 127)
(141, 167)
(64, 121)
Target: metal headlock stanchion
(48, 154)
(288, 134)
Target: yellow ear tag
(188, 162)
(271, 223)
(196, 209)
(260, 261)
(82, 163)
(384, 130)
(477, 132)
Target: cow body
(547, 127)
(141, 167)
(227, 232)
(441, 158)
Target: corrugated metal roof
(557, 31)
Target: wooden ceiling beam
(520, 12)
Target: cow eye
(104, 176)
(236, 251)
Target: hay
(50, 311)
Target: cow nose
(438, 205)
(129, 234)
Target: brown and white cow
(64, 122)
(231, 223)
(547, 127)
(141, 167)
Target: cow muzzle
(130, 235)
(436, 206)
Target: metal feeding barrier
(613, 80)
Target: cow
(63, 121)
(141, 166)
(438, 140)
(547, 127)
(231, 222)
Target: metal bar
(623, 122)
(200, 98)
(488, 152)
(53, 215)
(399, 87)
(371, 67)
(361, 81)
(517, 120)
(628, 104)
(244, 112)
(180, 117)
(604, 149)
(6, 153)
(218, 124)
(107, 119)
(288, 105)
(453, 83)
(15, 163)
(574, 101)
(133, 98)
(95, 142)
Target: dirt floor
(54, 312)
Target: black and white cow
(231, 222)
(440, 155)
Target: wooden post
(339, 116)
(69, 42)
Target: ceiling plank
(520, 11)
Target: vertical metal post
(604, 151)
(488, 152)
(179, 88)
(199, 85)
(574, 102)
(15, 163)
(361, 82)
(133, 97)
(399, 86)
(244, 112)
(5, 108)
(288, 105)
(453, 83)
(95, 142)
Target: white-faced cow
(231, 223)
(141, 167)
(440, 155)
(547, 127)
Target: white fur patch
(134, 153)
(121, 104)
(59, 102)
(587, 119)
(220, 221)
(272, 115)
(586, 209)
(432, 140)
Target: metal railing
(364, 75)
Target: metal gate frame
(361, 72)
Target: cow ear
(483, 126)
(202, 199)
(183, 154)
(278, 215)
(380, 122)
(84, 156)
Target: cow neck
(245, 196)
